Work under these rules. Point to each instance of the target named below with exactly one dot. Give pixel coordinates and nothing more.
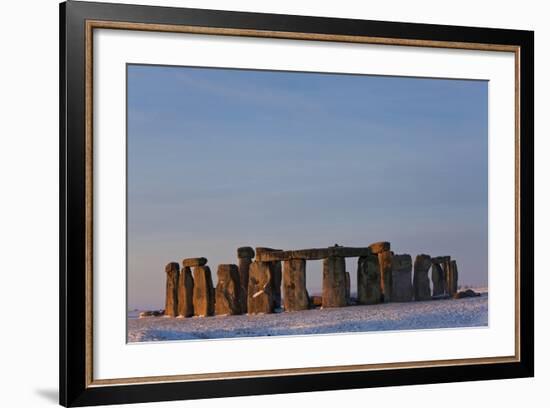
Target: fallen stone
(185, 292)
(294, 285)
(378, 247)
(192, 262)
(466, 294)
(228, 296)
(402, 289)
(171, 305)
(334, 282)
(421, 282)
(368, 280)
(203, 291)
(260, 295)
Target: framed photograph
(257, 203)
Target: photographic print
(234, 184)
(278, 203)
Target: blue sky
(222, 158)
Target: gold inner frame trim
(98, 24)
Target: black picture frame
(75, 389)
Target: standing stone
(260, 296)
(192, 262)
(276, 280)
(438, 280)
(454, 273)
(334, 281)
(368, 280)
(421, 282)
(384, 260)
(294, 285)
(402, 289)
(348, 288)
(447, 272)
(245, 255)
(379, 247)
(185, 293)
(203, 291)
(228, 294)
(172, 270)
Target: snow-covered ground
(468, 312)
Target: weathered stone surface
(260, 296)
(171, 305)
(440, 259)
(454, 275)
(348, 288)
(185, 293)
(245, 252)
(310, 254)
(294, 285)
(316, 301)
(378, 247)
(384, 260)
(421, 282)
(448, 276)
(192, 262)
(368, 280)
(438, 280)
(228, 296)
(203, 291)
(334, 282)
(402, 289)
(244, 267)
(276, 280)
(263, 251)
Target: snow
(433, 314)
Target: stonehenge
(402, 288)
(348, 288)
(260, 293)
(438, 279)
(445, 280)
(203, 291)
(276, 280)
(172, 270)
(385, 265)
(421, 283)
(245, 256)
(191, 262)
(294, 285)
(185, 292)
(228, 290)
(266, 280)
(454, 278)
(368, 280)
(334, 281)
